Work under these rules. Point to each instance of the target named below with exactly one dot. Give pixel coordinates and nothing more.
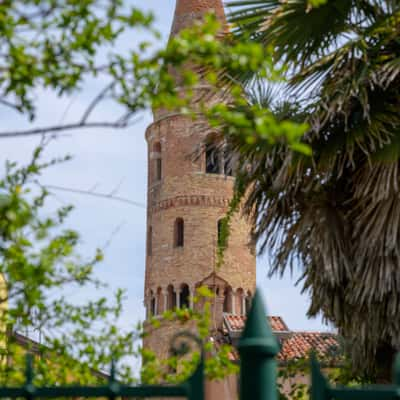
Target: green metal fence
(258, 348)
(321, 390)
(192, 389)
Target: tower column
(178, 298)
(233, 301)
(191, 296)
(165, 294)
(243, 304)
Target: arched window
(157, 161)
(248, 302)
(213, 162)
(179, 232)
(240, 302)
(150, 241)
(171, 298)
(227, 307)
(219, 160)
(185, 296)
(152, 304)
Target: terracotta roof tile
(299, 345)
(294, 345)
(235, 323)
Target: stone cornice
(191, 200)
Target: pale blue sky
(111, 159)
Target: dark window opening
(179, 233)
(218, 161)
(171, 298)
(248, 303)
(185, 297)
(158, 162)
(227, 307)
(226, 304)
(153, 306)
(150, 241)
(212, 160)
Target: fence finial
(258, 348)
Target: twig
(95, 194)
(96, 101)
(116, 189)
(10, 105)
(112, 236)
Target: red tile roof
(299, 345)
(294, 345)
(235, 323)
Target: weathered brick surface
(161, 339)
(201, 199)
(196, 6)
(188, 11)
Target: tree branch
(109, 196)
(10, 105)
(66, 127)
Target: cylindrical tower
(187, 198)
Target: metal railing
(258, 348)
(192, 389)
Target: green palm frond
(337, 213)
(308, 31)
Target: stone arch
(228, 303)
(171, 297)
(184, 296)
(249, 298)
(240, 302)
(179, 232)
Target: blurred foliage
(60, 46)
(40, 264)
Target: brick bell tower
(187, 198)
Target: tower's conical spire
(189, 11)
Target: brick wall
(186, 191)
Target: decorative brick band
(196, 200)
